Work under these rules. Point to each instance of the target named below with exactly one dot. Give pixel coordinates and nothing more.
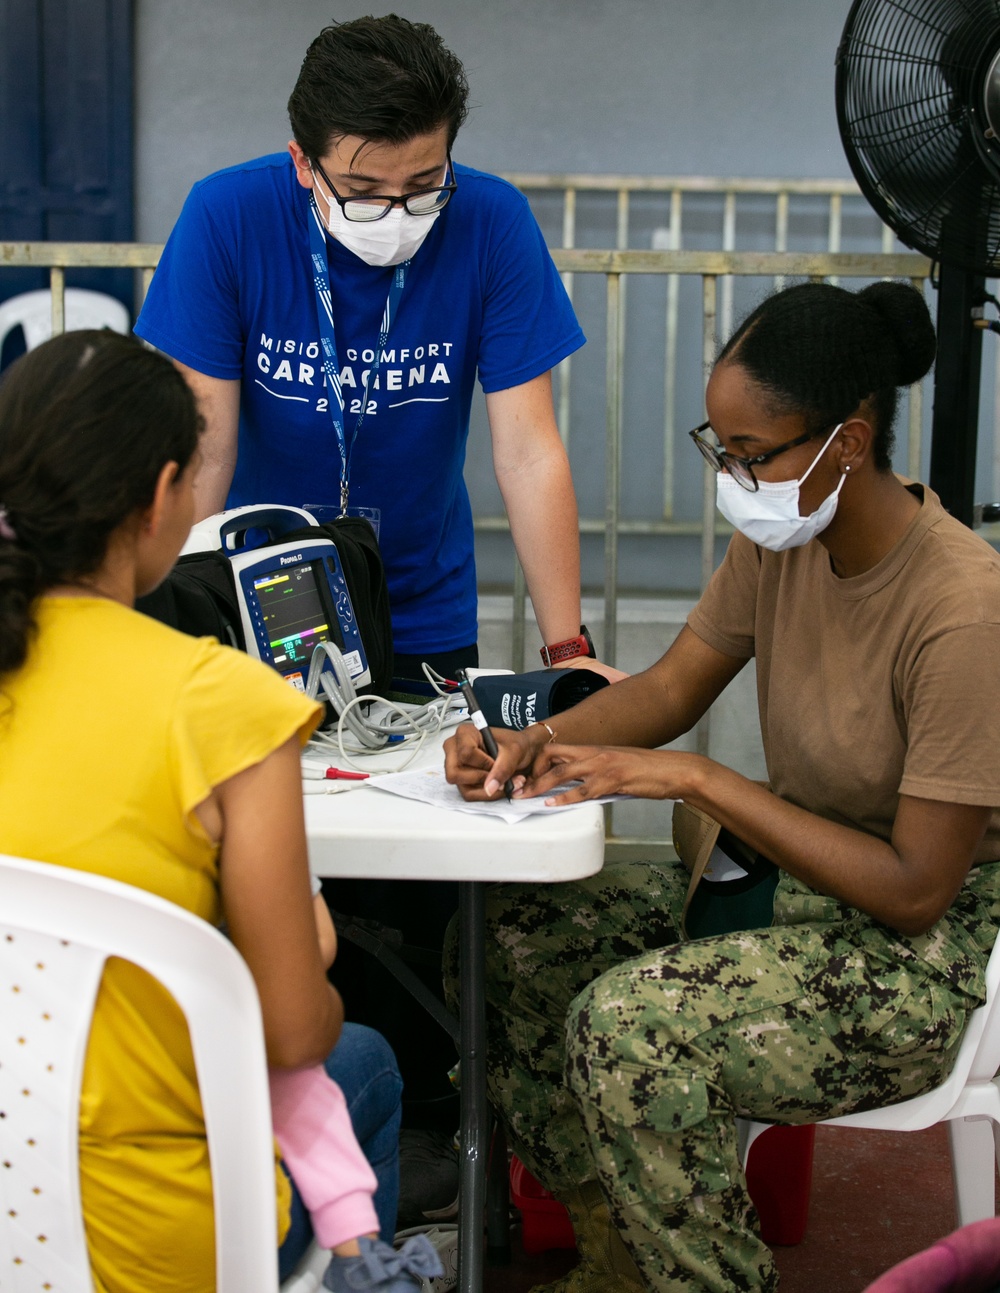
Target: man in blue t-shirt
(332, 307)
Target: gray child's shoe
(381, 1267)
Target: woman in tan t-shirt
(874, 621)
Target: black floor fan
(918, 105)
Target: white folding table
(370, 833)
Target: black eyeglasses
(741, 469)
(375, 206)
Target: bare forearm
(644, 711)
(313, 1043)
(211, 487)
(533, 473)
(219, 406)
(656, 706)
(858, 868)
(265, 891)
(334, 1024)
(908, 882)
(544, 525)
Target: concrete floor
(877, 1197)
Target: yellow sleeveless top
(110, 735)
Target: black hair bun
(905, 316)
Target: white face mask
(770, 517)
(389, 241)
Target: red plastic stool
(545, 1222)
(779, 1177)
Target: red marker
(312, 772)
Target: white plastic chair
(32, 311)
(57, 928)
(968, 1100)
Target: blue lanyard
(331, 365)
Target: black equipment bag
(199, 594)
(198, 597)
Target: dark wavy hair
(383, 79)
(821, 351)
(87, 422)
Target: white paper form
(428, 785)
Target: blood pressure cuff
(517, 700)
(199, 594)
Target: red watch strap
(570, 649)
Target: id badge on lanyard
(328, 342)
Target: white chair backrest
(32, 311)
(48, 988)
(57, 926)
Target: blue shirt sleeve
(528, 321)
(191, 311)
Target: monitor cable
(357, 735)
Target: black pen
(479, 722)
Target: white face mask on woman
(770, 517)
(389, 241)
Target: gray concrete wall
(725, 87)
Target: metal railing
(676, 190)
(57, 257)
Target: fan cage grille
(906, 80)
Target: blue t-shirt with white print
(233, 297)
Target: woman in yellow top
(181, 776)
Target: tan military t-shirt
(884, 684)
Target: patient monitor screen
(295, 619)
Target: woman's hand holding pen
(537, 766)
(477, 775)
(481, 725)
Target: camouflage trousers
(617, 1053)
